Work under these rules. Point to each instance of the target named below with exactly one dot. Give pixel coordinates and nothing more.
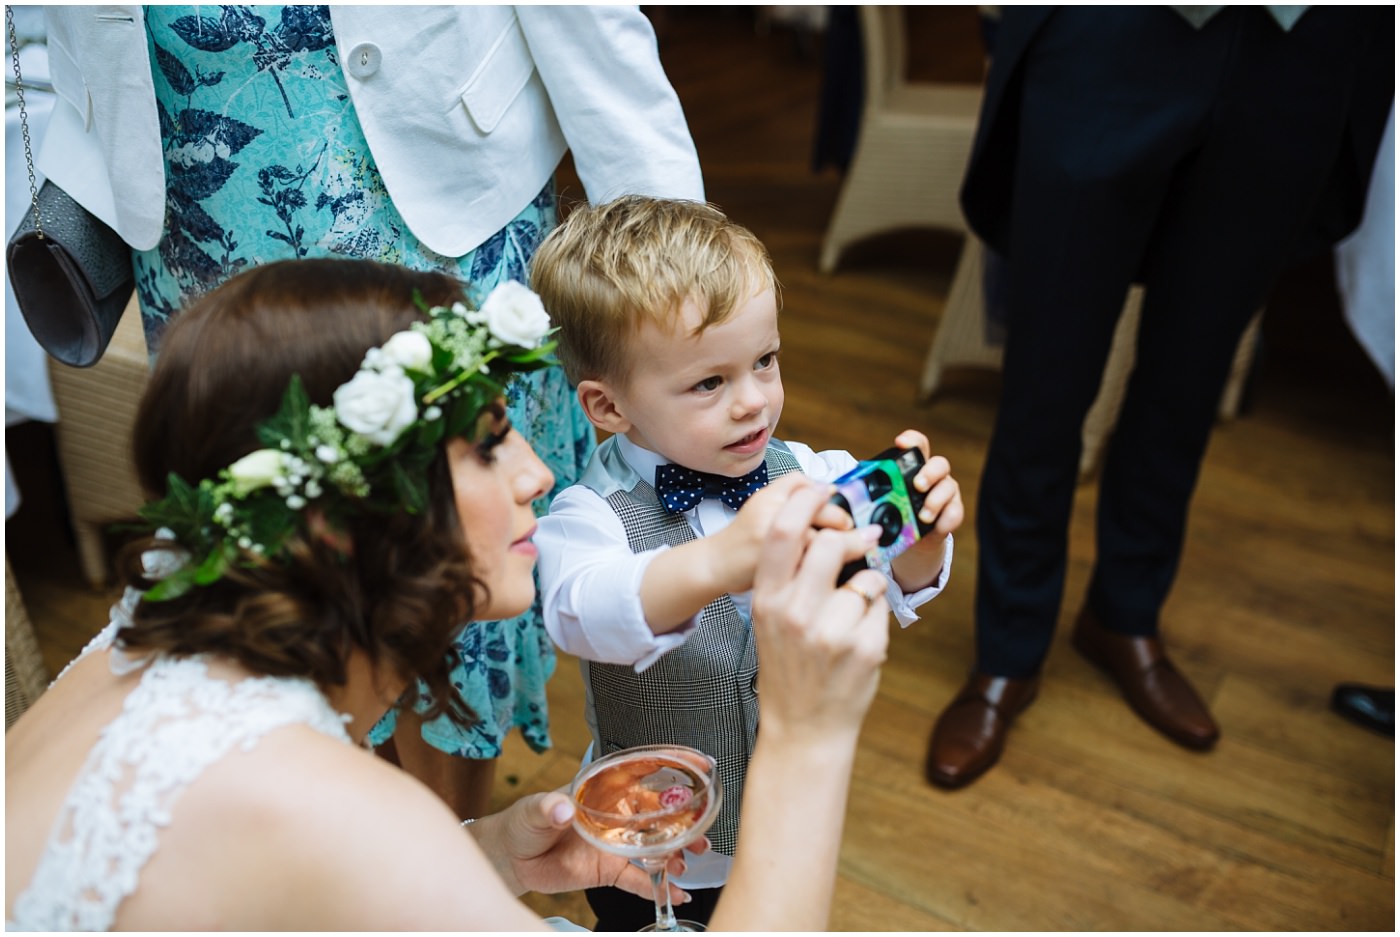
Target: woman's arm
(619, 113)
(374, 849)
(821, 648)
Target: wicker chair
(912, 149)
(25, 675)
(96, 410)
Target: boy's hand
(921, 564)
(943, 505)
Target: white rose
(409, 350)
(255, 470)
(515, 315)
(377, 405)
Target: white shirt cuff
(904, 605)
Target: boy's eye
(766, 362)
(709, 383)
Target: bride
(340, 486)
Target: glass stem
(661, 892)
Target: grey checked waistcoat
(704, 693)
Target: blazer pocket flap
(491, 90)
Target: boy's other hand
(943, 507)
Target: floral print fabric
(265, 160)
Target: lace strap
(176, 723)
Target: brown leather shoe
(1151, 684)
(969, 736)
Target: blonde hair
(608, 268)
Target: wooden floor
(1092, 821)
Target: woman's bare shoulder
(330, 836)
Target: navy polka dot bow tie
(680, 488)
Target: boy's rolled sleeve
(590, 582)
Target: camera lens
(878, 484)
(840, 501)
(891, 523)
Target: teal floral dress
(265, 160)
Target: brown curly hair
(406, 584)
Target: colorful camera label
(875, 492)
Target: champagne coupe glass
(646, 803)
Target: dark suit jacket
(987, 193)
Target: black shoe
(1370, 706)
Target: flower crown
(370, 451)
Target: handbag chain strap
(24, 121)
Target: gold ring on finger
(866, 594)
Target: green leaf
(291, 421)
(212, 569)
(431, 433)
(171, 587)
(459, 416)
(535, 365)
(533, 354)
(185, 510)
(442, 360)
(269, 521)
(412, 487)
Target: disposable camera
(881, 491)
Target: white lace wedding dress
(176, 723)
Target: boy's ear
(600, 406)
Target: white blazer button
(364, 60)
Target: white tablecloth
(1366, 264)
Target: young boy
(668, 326)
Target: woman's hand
(534, 847)
(736, 550)
(821, 646)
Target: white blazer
(466, 109)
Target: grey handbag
(72, 281)
(72, 275)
